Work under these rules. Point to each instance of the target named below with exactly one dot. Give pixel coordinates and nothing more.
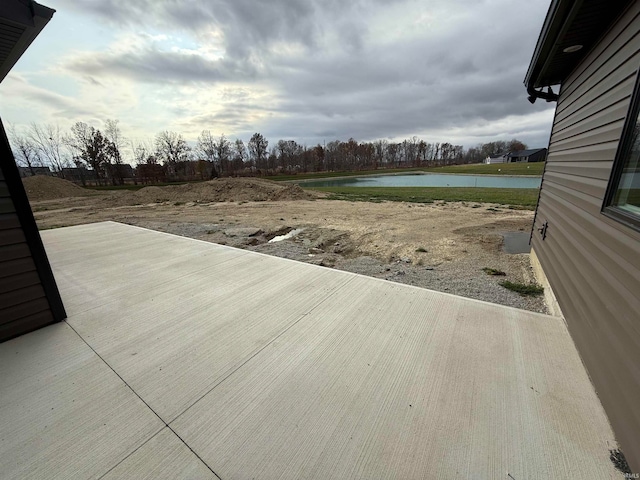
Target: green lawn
(524, 198)
(478, 169)
(495, 169)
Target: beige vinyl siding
(23, 304)
(592, 261)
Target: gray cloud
(156, 66)
(60, 106)
(247, 24)
(335, 70)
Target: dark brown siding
(21, 293)
(592, 261)
(29, 298)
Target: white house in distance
(533, 155)
(500, 158)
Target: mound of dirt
(218, 190)
(43, 187)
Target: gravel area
(441, 246)
(332, 249)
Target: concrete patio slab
(268, 368)
(389, 381)
(165, 456)
(63, 412)
(189, 312)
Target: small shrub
(523, 289)
(493, 271)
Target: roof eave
(542, 44)
(570, 31)
(31, 16)
(559, 18)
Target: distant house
(78, 175)
(586, 232)
(499, 158)
(535, 155)
(123, 170)
(30, 171)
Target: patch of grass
(523, 289)
(493, 271)
(534, 169)
(523, 197)
(421, 250)
(496, 169)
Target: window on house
(623, 196)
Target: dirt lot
(441, 246)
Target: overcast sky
(308, 70)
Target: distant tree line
(168, 156)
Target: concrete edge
(549, 297)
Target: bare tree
(91, 147)
(515, 145)
(116, 143)
(171, 148)
(239, 154)
(223, 154)
(258, 146)
(142, 150)
(147, 167)
(206, 150)
(24, 150)
(380, 152)
(49, 142)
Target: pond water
(428, 180)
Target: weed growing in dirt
(493, 271)
(523, 288)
